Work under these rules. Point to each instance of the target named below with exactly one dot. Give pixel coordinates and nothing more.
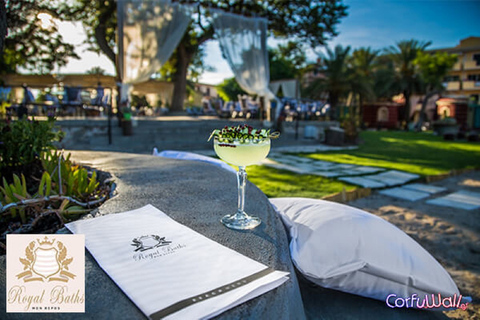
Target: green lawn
(283, 183)
(420, 153)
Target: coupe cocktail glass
(241, 152)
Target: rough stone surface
(197, 195)
(364, 182)
(424, 188)
(466, 200)
(405, 194)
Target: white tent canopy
(243, 42)
(290, 88)
(150, 30)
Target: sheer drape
(149, 32)
(243, 42)
(289, 88)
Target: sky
(370, 23)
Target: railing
(471, 85)
(452, 85)
(457, 66)
(471, 65)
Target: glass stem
(241, 181)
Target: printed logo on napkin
(46, 273)
(158, 245)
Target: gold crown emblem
(45, 241)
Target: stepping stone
(345, 166)
(327, 174)
(364, 182)
(400, 175)
(350, 172)
(393, 177)
(466, 200)
(390, 182)
(424, 188)
(405, 194)
(365, 169)
(322, 165)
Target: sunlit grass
(420, 153)
(283, 183)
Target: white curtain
(274, 87)
(289, 88)
(149, 32)
(243, 42)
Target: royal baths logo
(46, 260)
(149, 242)
(45, 273)
(153, 246)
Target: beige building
(463, 81)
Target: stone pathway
(364, 176)
(412, 192)
(462, 199)
(393, 183)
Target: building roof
(465, 45)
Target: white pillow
(347, 249)
(183, 155)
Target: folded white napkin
(170, 271)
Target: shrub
(23, 141)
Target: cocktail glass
(241, 153)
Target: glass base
(240, 221)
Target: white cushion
(347, 249)
(183, 155)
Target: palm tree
(385, 85)
(364, 67)
(403, 56)
(433, 68)
(337, 81)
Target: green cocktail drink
(242, 154)
(241, 146)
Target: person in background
(27, 99)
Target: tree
(96, 71)
(312, 22)
(338, 77)
(3, 24)
(403, 56)
(385, 81)
(287, 61)
(33, 41)
(229, 89)
(364, 66)
(433, 68)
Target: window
(473, 77)
(476, 57)
(382, 114)
(444, 112)
(451, 78)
